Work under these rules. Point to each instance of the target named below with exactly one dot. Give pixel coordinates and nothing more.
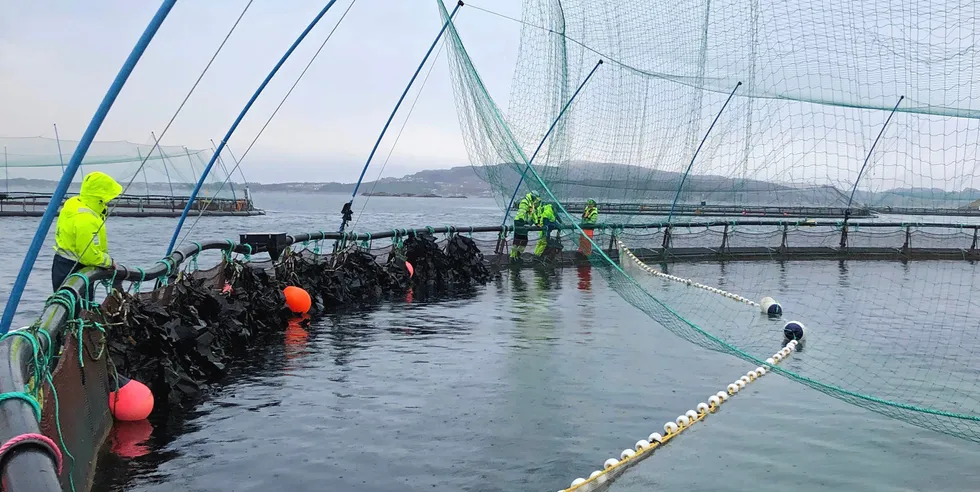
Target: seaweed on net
(182, 340)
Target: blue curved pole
(545, 138)
(670, 214)
(395, 110)
(234, 126)
(76, 160)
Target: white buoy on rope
(770, 307)
(794, 330)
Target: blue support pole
(670, 215)
(545, 138)
(234, 126)
(76, 160)
(347, 206)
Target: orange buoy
(297, 299)
(411, 269)
(132, 402)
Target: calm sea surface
(527, 383)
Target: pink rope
(33, 439)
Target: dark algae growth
(181, 339)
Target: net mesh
(31, 164)
(809, 86)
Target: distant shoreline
(411, 195)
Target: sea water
(524, 384)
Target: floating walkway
(688, 210)
(23, 204)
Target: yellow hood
(100, 186)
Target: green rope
(316, 246)
(136, 285)
(85, 303)
(109, 283)
(168, 263)
(80, 326)
(22, 396)
(66, 298)
(61, 437)
(248, 254)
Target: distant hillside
(580, 180)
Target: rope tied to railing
(135, 286)
(109, 283)
(227, 253)
(248, 254)
(84, 302)
(316, 245)
(366, 243)
(33, 391)
(169, 265)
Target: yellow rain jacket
(526, 210)
(80, 231)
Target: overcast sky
(58, 57)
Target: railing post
(782, 244)
(724, 239)
(973, 247)
(666, 244)
(908, 239)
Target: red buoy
(411, 269)
(132, 402)
(297, 299)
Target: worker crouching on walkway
(80, 238)
(548, 221)
(589, 217)
(526, 215)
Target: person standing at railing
(548, 221)
(526, 215)
(80, 235)
(589, 217)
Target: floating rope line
(688, 281)
(645, 447)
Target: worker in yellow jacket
(548, 222)
(80, 238)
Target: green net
(813, 85)
(33, 164)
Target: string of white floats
(644, 447)
(768, 305)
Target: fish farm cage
(25, 204)
(57, 374)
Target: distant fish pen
(24, 204)
(179, 336)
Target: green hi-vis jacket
(590, 215)
(546, 216)
(525, 210)
(80, 232)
